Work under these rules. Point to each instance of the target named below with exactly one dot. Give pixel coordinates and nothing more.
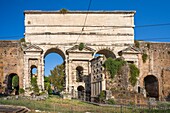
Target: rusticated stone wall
(11, 61)
(158, 65)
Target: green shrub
(34, 85)
(81, 46)
(22, 40)
(111, 101)
(144, 57)
(148, 45)
(63, 10)
(21, 91)
(137, 44)
(102, 96)
(134, 73)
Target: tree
(47, 84)
(57, 77)
(15, 82)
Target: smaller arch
(13, 83)
(79, 74)
(80, 90)
(106, 52)
(151, 86)
(34, 71)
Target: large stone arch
(54, 50)
(48, 49)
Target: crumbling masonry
(107, 33)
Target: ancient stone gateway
(51, 31)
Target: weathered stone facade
(11, 62)
(104, 33)
(107, 33)
(157, 65)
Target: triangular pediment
(32, 48)
(132, 50)
(76, 49)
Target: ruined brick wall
(157, 64)
(11, 61)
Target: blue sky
(148, 12)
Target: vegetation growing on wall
(134, 73)
(21, 91)
(144, 57)
(81, 46)
(148, 45)
(22, 40)
(63, 10)
(34, 85)
(113, 66)
(137, 44)
(102, 96)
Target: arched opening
(79, 74)
(54, 70)
(80, 90)
(106, 53)
(13, 84)
(151, 86)
(34, 71)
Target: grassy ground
(54, 105)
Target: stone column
(91, 89)
(42, 71)
(26, 73)
(69, 76)
(40, 76)
(27, 80)
(66, 75)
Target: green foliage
(148, 45)
(57, 77)
(34, 85)
(63, 10)
(48, 87)
(81, 46)
(134, 73)
(137, 44)
(21, 91)
(144, 57)
(47, 84)
(22, 40)
(15, 81)
(102, 96)
(113, 66)
(111, 101)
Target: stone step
(22, 110)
